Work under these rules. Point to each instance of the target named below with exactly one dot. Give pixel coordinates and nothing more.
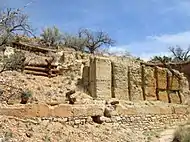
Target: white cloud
(178, 6)
(155, 45)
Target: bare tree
(95, 40)
(180, 54)
(51, 36)
(13, 22)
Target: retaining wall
(127, 79)
(145, 117)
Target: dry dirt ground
(52, 91)
(47, 90)
(17, 130)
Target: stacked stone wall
(127, 79)
(145, 117)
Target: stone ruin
(123, 79)
(132, 80)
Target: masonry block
(100, 78)
(149, 84)
(174, 82)
(103, 90)
(162, 78)
(174, 97)
(120, 81)
(163, 96)
(136, 83)
(85, 75)
(149, 76)
(62, 110)
(150, 93)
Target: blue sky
(142, 27)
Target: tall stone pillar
(100, 78)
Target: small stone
(77, 122)
(2, 139)
(29, 134)
(114, 102)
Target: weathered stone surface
(149, 83)
(180, 109)
(174, 97)
(163, 96)
(110, 111)
(38, 110)
(62, 110)
(100, 78)
(103, 90)
(9, 51)
(150, 93)
(17, 110)
(103, 68)
(156, 110)
(174, 82)
(120, 80)
(149, 76)
(135, 110)
(121, 110)
(85, 76)
(162, 78)
(87, 110)
(136, 83)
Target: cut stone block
(120, 81)
(102, 68)
(136, 83)
(149, 76)
(150, 93)
(100, 78)
(163, 96)
(174, 82)
(162, 78)
(103, 90)
(174, 97)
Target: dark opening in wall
(97, 119)
(112, 81)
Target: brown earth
(19, 130)
(47, 90)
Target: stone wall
(129, 79)
(141, 117)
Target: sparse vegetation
(178, 55)
(14, 62)
(161, 59)
(51, 36)
(74, 41)
(25, 96)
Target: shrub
(51, 36)
(25, 96)
(14, 62)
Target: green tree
(74, 41)
(51, 36)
